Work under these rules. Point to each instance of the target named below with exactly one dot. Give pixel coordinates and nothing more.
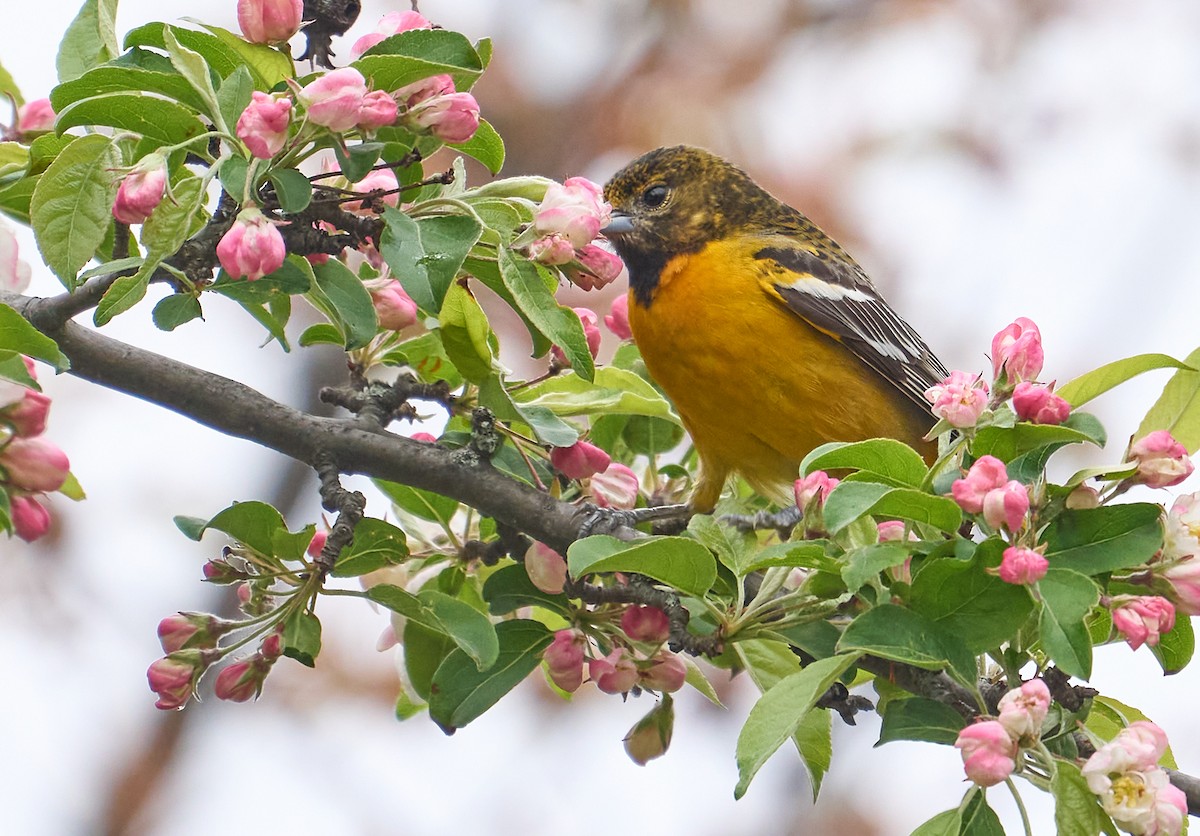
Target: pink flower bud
(14, 271)
(253, 246)
(378, 180)
(1038, 404)
(651, 736)
(317, 542)
(412, 94)
(1023, 710)
(616, 673)
(141, 190)
(174, 676)
(575, 209)
(564, 659)
(1006, 506)
(580, 460)
(242, 680)
(35, 117)
(816, 486)
(34, 465)
(959, 399)
(395, 308)
(191, 630)
(645, 624)
(425, 438)
(269, 21)
(616, 487)
(28, 416)
(378, 110)
(546, 568)
(333, 101)
(30, 518)
(617, 319)
(591, 332)
(222, 572)
(988, 751)
(1017, 353)
(551, 249)
(1162, 461)
(1083, 496)
(392, 23)
(263, 125)
(665, 673)
(453, 117)
(987, 474)
(271, 647)
(594, 267)
(1184, 578)
(1142, 619)
(1022, 566)
(891, 531)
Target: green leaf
(269, 66)
(732, 547)
(124, 293)
(863, 564)
(1177, 409)
(1109, 716)
(173, 220)
(946, 823)
(778, 713)
(192, 66)
(116, 79)
(850, 501)
(1098, 540)
(901, 635)
(918, 718)
(302, 637)
(233, 96)
(466, 334)
(427, 357)
(293, 189)
(530, 286)
(979, 819)
(894, 462)
(340, 295)
(376, 544)
(647, 436)
(471, 630)
(963, 599)
(424, 651)
(427, 253)
(1098, 381)
(1176, 647)
(424, 504)
(8, 87)
(232, 173)
(71, 208)
(676, 561)
(1077, 810)
(509, 588)
(460, 692)
(224, 54)
(1067, 597)
(321, 334)
(161, 121)
(12, 367)
(612, 391)
(1007, 443)
(252, 524)
(16, 334)
(90, 39)
(485, 146)
(420, 53)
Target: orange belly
(756, 386)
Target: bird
(766, 335)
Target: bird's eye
(655, 196)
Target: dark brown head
(676, 200)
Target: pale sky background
(1086, 220)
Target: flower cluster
(990, 747)
(1133, 789)
(566, 222)
(30, 466)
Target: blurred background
(983, 160)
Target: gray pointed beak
(618, 224)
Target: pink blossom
(617, 319)
(551, 249)
(376, 180)
(1162, 461)
(575, 209)
(334, 100)
(1017, 353)
(392, 23)
(665, 673)
(815, 486)
(263, 125)
(591, 332)
(959, 399)
(35, 116)
(14, 271)
(1038, 404)
(452, 117)
(317, 543)
(1142, 619)
(615, 673)
(142, 190)
(593, 267)
(1183, 527)
(30, 519)
(412, 94)
(546, 568)
(893, 531)
(378, 110)
(1023, 710)
(1022, 566)
(988, 751)
(28, 416)
(395, 308)
(645, 624)
(564, 659)
(580, 460)
(253, 246)
(1184, 578)
(269, 21)
(242, 680)
(987, 474)
(616, 487)
(34, 465)
(1006, 506)
(1132, 788)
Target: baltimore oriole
(767, 336)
